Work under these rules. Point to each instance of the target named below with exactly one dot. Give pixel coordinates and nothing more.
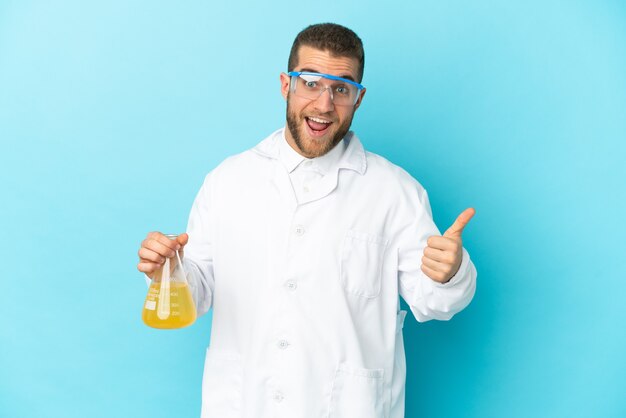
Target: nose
(324, 103)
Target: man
(302, 246)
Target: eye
(343, 90)
(309, 81)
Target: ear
(284, 85)
(358, 101)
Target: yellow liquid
(181, 312)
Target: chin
(309, 144)
(316, 146)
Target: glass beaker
(169, 304)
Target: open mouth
(317, 126)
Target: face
(316, 126)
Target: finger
(159, 237)
(168, 242)
(150, 256)
(439, 255)
(147, 267)
(436, 265)
(461, 222)
(435, 275)
(159, 247)
(442, 243)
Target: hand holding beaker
(156, 248)
(169, 303)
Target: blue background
(111, 113)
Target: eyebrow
(346, 76)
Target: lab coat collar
(291, 159)
(352, 158)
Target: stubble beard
(296, 127)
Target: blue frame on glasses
(328, 76)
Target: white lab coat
(306, 314)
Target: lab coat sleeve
(427, 298)
(198, 258)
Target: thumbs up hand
(443, 255)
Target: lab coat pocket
(357, 393)
(362, 263)
(222, 385)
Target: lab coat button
(299, 230)
(278, 397)
(283, 344)
(306, 189)
(291, 285)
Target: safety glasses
(308, 85)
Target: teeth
(318, 120)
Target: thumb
(182, 239)
(461, 222)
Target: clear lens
(311, 87)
